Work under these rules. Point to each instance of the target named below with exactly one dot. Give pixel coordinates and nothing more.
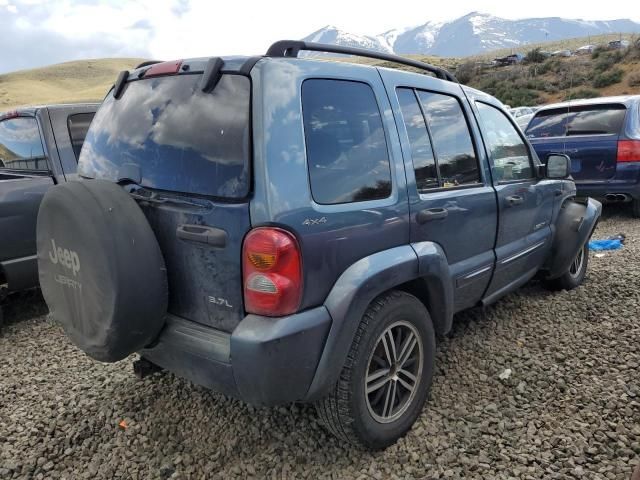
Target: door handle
(513, 200)
(428, 214)
(216, 237)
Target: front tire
(387, 375)
(573, 277)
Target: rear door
(525, 202)
(185, 154)
(587, 133)
(452, 202)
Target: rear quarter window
(606, 119)
(20, 145)
(347, 153)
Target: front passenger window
(506, 147)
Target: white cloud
(167, 29)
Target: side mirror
(558, 166)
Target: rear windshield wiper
(155, 197)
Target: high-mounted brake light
(164, 68)
(272, 272)
(628, 151)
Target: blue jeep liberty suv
(285, 229)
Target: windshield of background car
(180, 138)
(578, 120)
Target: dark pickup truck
(39, 148)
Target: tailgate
(592, 157)
(185, 152)
(205, 280)
(588, 133)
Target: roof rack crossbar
(291, 48)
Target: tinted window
(424, 164)
(20, 144)
(451, 139)
(346, 148)
(182, 139)
(506, 147)
(78, 126)
(580, 120)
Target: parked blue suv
(602, 137)
(282, 229)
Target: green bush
(634, 80)
(466, 72)
(551, 65)
(535, 56)
(582, 93)
(608, 60)
(608, 78)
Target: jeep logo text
(65, 257)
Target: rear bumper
(265, 361)
(626, 182)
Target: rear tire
(573, 277)
(635, 208)
(392, 356)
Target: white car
(517, 112)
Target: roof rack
(291, 48)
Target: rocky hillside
(541, 80)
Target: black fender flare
(575, 223)
(357, 287)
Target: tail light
(272, 272)
(628, 151)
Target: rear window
(20, 145)
(182, 139)
(578, 120)
(78, 127)
(347, 152)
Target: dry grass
(79, 81)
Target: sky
(34, 33)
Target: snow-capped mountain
(473, 33)
(334, 36)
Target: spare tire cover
(101, 270)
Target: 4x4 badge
(315, 221)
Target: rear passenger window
(424, 164)
(441, 147)
(346, 148)
(20, 145)
(506, 147)
(451, 139)
(78, 127)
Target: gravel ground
(569, 409)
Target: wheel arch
(575, 223)
(423, 272)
